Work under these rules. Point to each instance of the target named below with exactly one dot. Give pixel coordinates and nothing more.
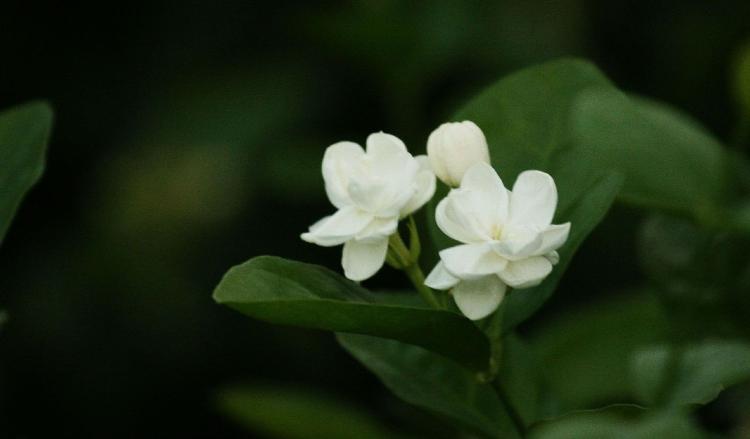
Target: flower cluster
(507, 236)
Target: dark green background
(188, 138)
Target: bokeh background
(188, 138)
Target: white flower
(508, 238)
(372, 191)
(455, 147)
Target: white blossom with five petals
(508, 238)
(372, 190)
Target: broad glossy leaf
(432, 382)
(591, 344)
(584, 215)
(612, 425)
(525, 117)
(24, 131)
(694, 374)
(287, 413)
(288, 292)
(668, 160)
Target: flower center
(496, 232)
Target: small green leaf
(668, 160)
(584, 215)
(694, 374)
(288, 292)
(432, 382)
(286, 413)
(24, 131)
(611, 424)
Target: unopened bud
(453, 148)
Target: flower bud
(453, 148)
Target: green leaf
(432, 382)
(286, 413)
(584, 215)
(613, 425)
(591, 344)
(668, 160)
(694, 374)
(288, 292)
(525, 117)
(521, 378)
(24, 131)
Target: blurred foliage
(591, 348)
(693, 374)
(188, 139)
(24, 132)
(297, 414)
(610, 424)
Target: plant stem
(408, 263)
(494, 331)
(512, 412)
(417, 278)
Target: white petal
(470, 261)
(526, 272)
(533, 199)
(340, 161)
(366, 193)
(553, 257)
(460, 215)
(476, 211)
(479, 298)
(378, 228)
(362, 259)
(440, 279)
(388, 182)
(425, 187)
(338, 228)
(518, 242)
(483, 179)
(554, 237)
(449, 222)
(382, 143)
